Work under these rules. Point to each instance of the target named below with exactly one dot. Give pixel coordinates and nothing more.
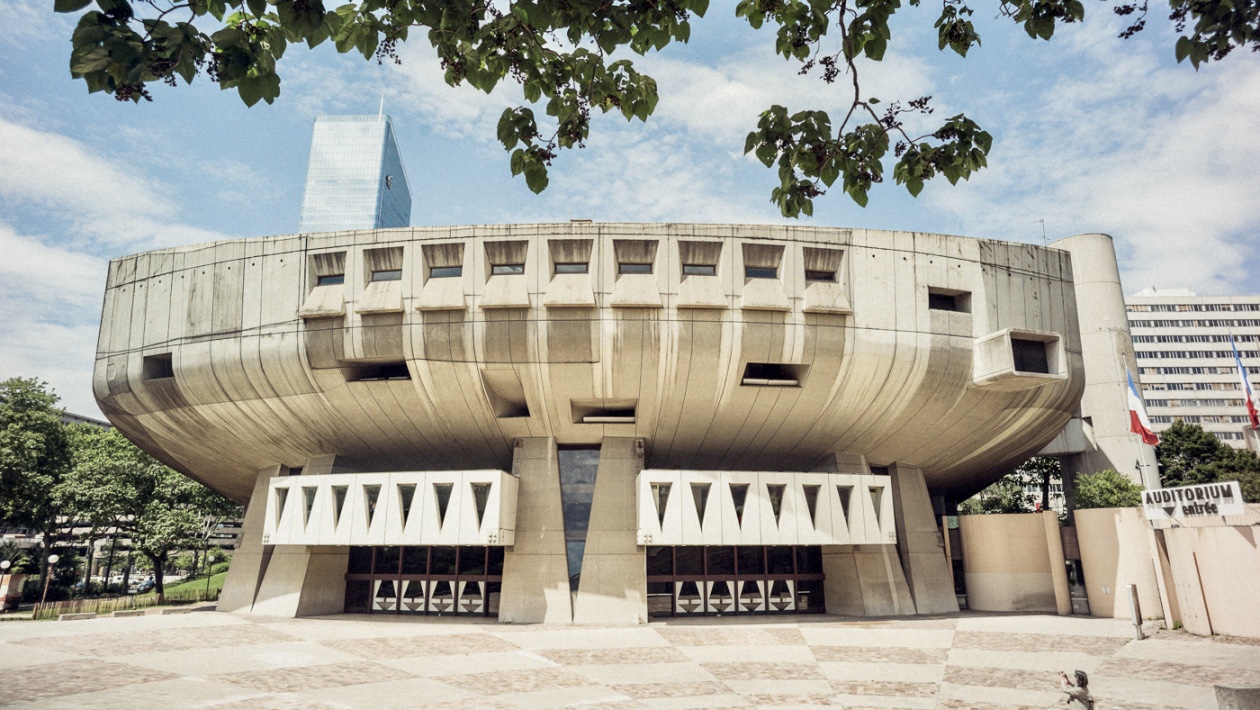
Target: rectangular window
(446, 272)
(812, 275)
(330, 280)
(507, 269)
(773, 374)
(377, 372)
(942, 299)
(699, 270)
(581, 268)
(634, 268)
(159, 367)
(387, 275)
(1030, 356)
(761, 272)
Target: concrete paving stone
(513, 682)
(641, 691)
(407, 693)
(1004, 698)
(579, 696)
(21, 655)
(436, 666)
(1205, 652)
(905, 689)
(272, 701)
(919, 623)
(581, 637)
(205, 662)
(762, 700)
(290, 680)
(1144, 669)
(881, 671)
(584, 656)
(1090, 645)
(71, 678)
(434, 645)
(742, 636)
(751, 670)
(642, 673)
(729, 700)
(771, 686)
(349, 626)
(879, 637)
(1022, 660)
(886, 654)
(1045, 624)
(956, 704)
(1003, 678)
(767, 654)
(104, 645)
(1188, 692)
(885, 702)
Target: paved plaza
(212, 660)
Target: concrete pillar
(1058, 563)
(613, 587)
(1107, 351)
(865, 580)
(919, 544)
(536, 568)
(249, 560)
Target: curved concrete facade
(437, 348)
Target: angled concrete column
(919, 543)
(249, 560)
(300, 580)
(536, 568)
(613, 588)
(865, 580)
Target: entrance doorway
(422, 580)
(720, 580)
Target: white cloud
(1159, 157)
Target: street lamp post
(52, 560)
(209, 568)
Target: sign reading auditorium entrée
(1207, 499)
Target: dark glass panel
(721, 560)
(387, 559)
(689, 560)
(660, 561)
(751, 561)
(472, 560)
(360, 560)
(415, 560)
(442, 560)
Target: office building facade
(355, 178)
(1186, 363)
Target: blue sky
(1092, 134)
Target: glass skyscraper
(355, 179)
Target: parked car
(145, 586)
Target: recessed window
(378, 371)
(446, 272)
(634, 268)
(1030, 356)
(507, 269)
(699, 270)
(330, 280)
(159, 367)
(773, 374)
(609, 416)
(387, 275)
(941, 299)
(813, 275)
(761, 272)
(604, 411)
(581, 268)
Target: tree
(561, 52)
(160, 510)
(1106, 489)
(1006, 495)
(1188, 455)
(34, 457)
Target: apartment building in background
(1186, 363)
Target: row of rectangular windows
(1215, 386)
(1238, 323)
(1197, 419)
(1194, 402)
(1191, 354)
(443, 272)
(1194, 370)
(1196, 338)
(1182, 307)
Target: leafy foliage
(1188, 455)
(561, 53)
(1107, 489)
(1006, 495)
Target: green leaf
(258, 7)
(69, 5)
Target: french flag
(1249, 399)
(1139, 423)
